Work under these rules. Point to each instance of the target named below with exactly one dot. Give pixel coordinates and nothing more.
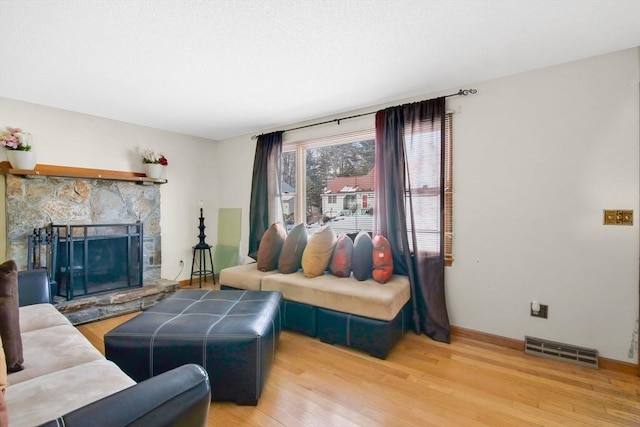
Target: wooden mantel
(72, 172)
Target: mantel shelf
(72, 172)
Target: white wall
(537, 157)
(65, 138)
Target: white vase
(25, 160)
(154, 170)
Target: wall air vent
(559, 351)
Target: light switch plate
(618, 217)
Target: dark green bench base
(376, 337)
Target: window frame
(300, 147)
(448, 189)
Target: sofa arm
(180, 397)
(33, 287)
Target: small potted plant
(18, 145)
(154, 164)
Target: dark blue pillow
(362, 258)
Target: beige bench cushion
(245, 276)
(53, 349)
(366, 298)
(40, 316)
(47, 397)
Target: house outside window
(331, 181)
(331, 175)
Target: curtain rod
(461, 92)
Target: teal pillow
(290, 259)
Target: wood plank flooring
(424, 383)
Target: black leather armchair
(33, 287)
(177, 398)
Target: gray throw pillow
(291, 256)
(362, 259)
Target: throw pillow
(382, 260)
(270, 247)
(362, 259)
(340, 264)
(317, 254)
(10, 316)
(291, 256)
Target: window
(423, 154)
(330, 180)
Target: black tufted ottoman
(232, 334)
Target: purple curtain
(410, 205)
(265, 195)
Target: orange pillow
(382, 259)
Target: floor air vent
(559, 351)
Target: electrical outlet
(542, 312)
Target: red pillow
(382, 259)
(340, 264)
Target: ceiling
(218, 69)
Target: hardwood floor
(424, 383)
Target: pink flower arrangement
(15, 139)
(149, 156)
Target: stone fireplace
(34, 201)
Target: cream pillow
(317, 253)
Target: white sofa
(64, 375)
(62, 370)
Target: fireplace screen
(90, 259)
